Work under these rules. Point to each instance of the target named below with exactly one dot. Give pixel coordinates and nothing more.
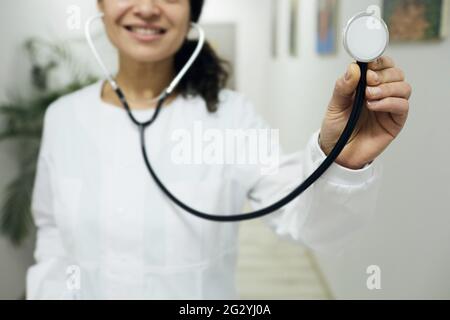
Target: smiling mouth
(144, 31)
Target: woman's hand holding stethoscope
(381, 121)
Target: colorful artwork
(327, 26)
(416, 20)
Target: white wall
(409, 238)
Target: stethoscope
(366, 37)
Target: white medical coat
(105, 231)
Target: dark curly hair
(209, 73)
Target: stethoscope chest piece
(366, 36)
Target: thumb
(345, 88)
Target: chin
(148, 56)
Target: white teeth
(145, 31)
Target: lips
(145, 33)
(145, 30)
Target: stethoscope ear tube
(87, 33)
(340, 145)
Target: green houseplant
(23, 118)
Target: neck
(144, 81)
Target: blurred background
(286, 57)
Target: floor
(272, 268)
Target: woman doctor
(105, 231)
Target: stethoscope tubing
(346, 134)
(358, 105)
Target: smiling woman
(135, 37)
(160, 47)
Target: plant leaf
(23, 119)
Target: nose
(147, 8)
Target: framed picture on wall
(327, 26)
(274, 9)
(294, 27)
(416, 20)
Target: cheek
(181, 26)
(116, 8)
(113, 14)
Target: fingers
(347, 85)
(385, 90)
(375, 78)
(345, 88)
(398, 106)
(381, 63)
